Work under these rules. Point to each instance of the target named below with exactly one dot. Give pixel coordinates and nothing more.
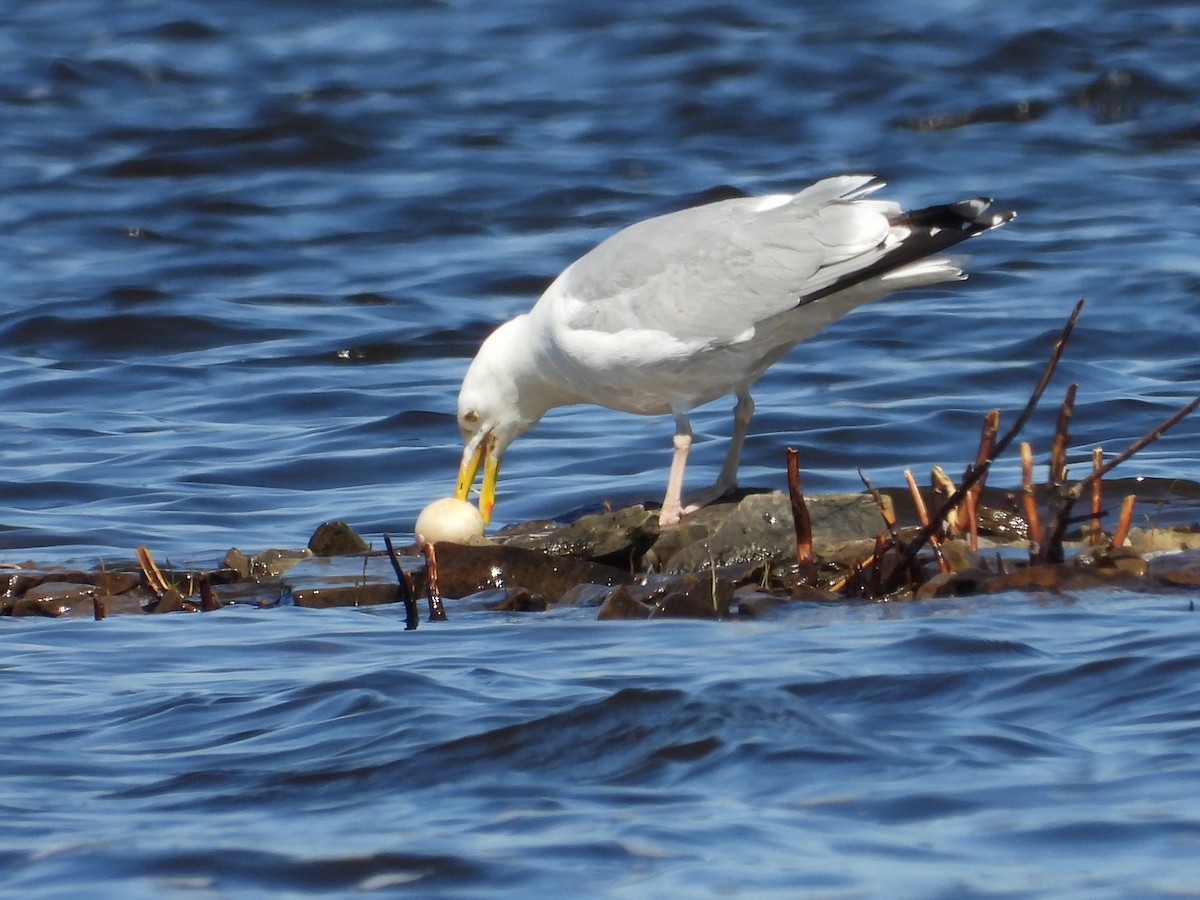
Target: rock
(336, 538)
(620, 604)
(465, 569)
(264, 564)
(520, 600)
(1177, 569)
(45, 606)
(1061, 577)
(1149, 540)
(761, 528)
(694, 597)
(618, 538)
(960, 583)
(321, 582)
(65, 591)
(583, 595)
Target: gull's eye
(470, 417)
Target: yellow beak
(484, 452)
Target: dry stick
(437, 613)
(987, 441)
(876, 587)
(888, 519)
(1028, 501)
(154, 578)
(411, 617)
(800, 514)
(943, 487)
(1062, 437)
(972, 522)
(923, 518)
(1121, 532)
(1072, 494)
(977, 473)
(1095, 535)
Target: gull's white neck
(517, 352)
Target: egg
(449, 519)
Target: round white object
(449, 519)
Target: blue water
(249, 249)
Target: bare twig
(1028, 500)
(1062, 437)
(987, 442)
(972, 521)
(411, 618)
(1121, 532)
(1094, 529)
(923, 518)
(943, 487)
(888, 520)
(800, 515)
(977, 473)
(1052, 549)
(437, 613)
(153, 577)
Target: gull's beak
(485, 452)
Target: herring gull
(677, 310)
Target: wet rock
(1177, 569)
(618, 538)
(336, 538)
(33, 606)
(137, 600)
(960, 583)
(265, 564)
(64, 591)
(1150, 540)
(1112, 558)
(258, 592)
(620, 604)
(694, 597)
(172, 601)
(959, 557)
(109, 583)
(520, 600)
(464, 569)
(322, 582)
(692, 531)
(583, 595)
(761, 528)
(1062, 577)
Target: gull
(678, 310)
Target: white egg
(449, 519)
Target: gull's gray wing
(713, 272)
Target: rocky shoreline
(736, 558)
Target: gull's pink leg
(672, 506)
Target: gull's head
(490, 414)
